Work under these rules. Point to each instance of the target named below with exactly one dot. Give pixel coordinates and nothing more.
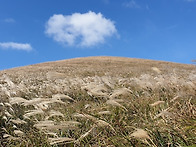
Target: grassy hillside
(99, 101)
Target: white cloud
(189, 0)
(78, 29)
(106, 1)
(131, 4)
(9, 20)
(147, 7)
(16, 46)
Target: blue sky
(35, 31)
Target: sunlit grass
(91, 108)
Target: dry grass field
(99, 101)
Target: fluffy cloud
(16, 46)
(78, 29)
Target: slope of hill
(98, 101)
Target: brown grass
(98, 101)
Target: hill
(98, 101)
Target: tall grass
(99, 107)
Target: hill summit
(98, 101)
